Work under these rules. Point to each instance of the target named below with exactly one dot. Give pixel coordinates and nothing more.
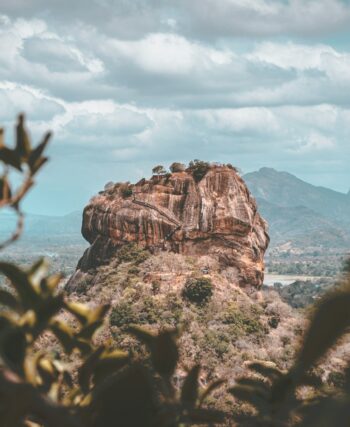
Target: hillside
(299, 212)
(286, 190)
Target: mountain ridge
(300, 212)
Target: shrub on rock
(198, 290)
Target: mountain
(299, 212)
(41, 226)
(203, 210)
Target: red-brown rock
(216, 216)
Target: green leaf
(87, 368)
(9, 300)
(38, 164)
(35, 159)
(11, 158)
(86, 315)
(142, 334)
(13, 346)
(252, 395)
(164, 352)
(189, 390)
(266, 369)
(45, 311)
(109, 363)
(211, 387)
(37, 267)
(5, 190)
(19, 279)
(23, 145)
(64, 334)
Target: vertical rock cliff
(214, 215)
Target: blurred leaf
(254, 396)
(87, 368)
(109, 363)
(64, 334)
(13, 346)
(203, 416)
(142, 334)
(5, 190)
(37, 267)
(49, 284)
(11, 158)
(189, 390)
(9, 300)
(46, 310)
(266, 369)
(329, 322)
(23, 145)
(211, 387)
(36, 160)
(164, 352)
(20, 282)
(38, 164)
(86, 315)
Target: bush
(198, 290)
(132, 253)
(159, 170)
(125, 190)
(134, 270)
(122, 315)
(244, 322)
(177, 167)
(198, 168)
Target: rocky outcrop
(215, 215)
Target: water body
(286, 279)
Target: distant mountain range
(301, 213)
(41, 227)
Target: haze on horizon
(127, 85)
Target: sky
(125, 85)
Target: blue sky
(125, 85)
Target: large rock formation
(215, 215)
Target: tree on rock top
(177, 167)
(198, 168)
(159, 170)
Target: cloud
(200, 19)
(16, 98)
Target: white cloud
(335, 65)
(313, 142)
(169, 54)
(16, 98)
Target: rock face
(214, 216)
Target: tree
(177, 167)
(198, 168)
(159, 170)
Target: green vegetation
(132, 253)
(125, 190)
(243, 322)
(177, 167)
(198, 290)
(159, 170)
(198, 168)
(122, 314)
